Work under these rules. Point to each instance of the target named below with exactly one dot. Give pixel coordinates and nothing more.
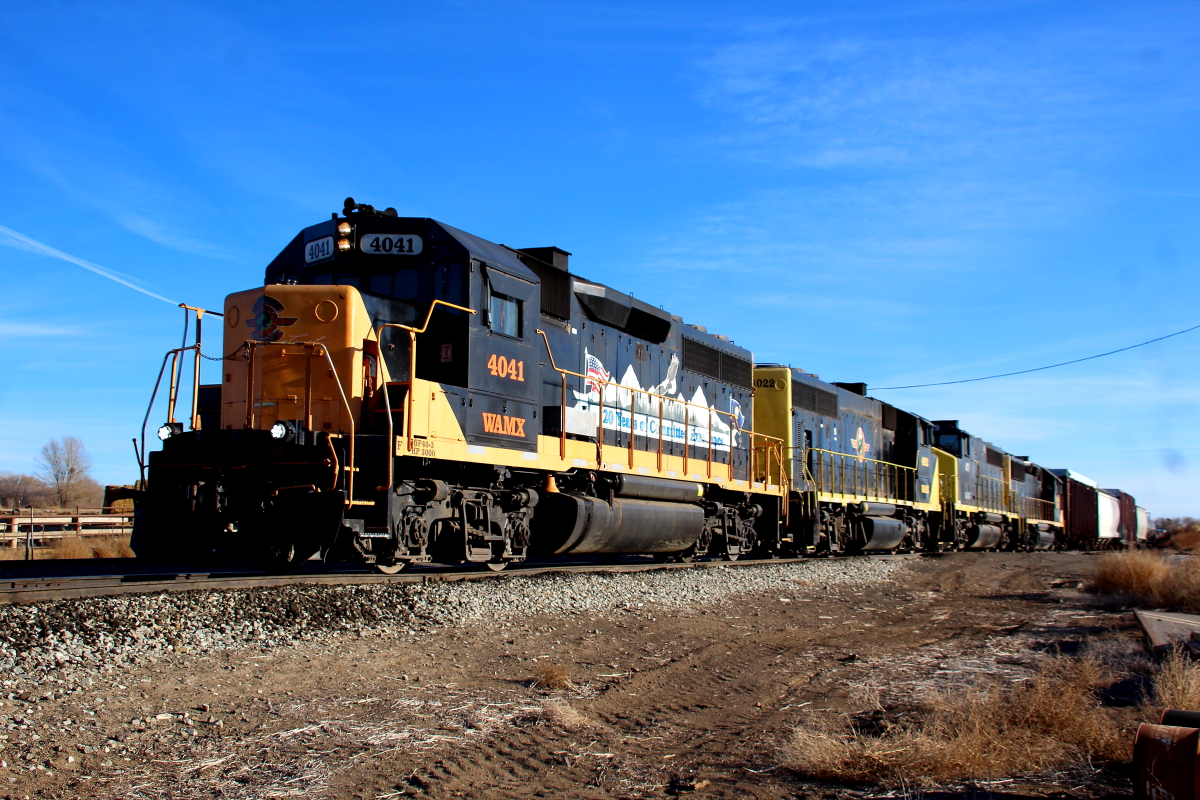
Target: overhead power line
(1039, 369)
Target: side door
(504, 380)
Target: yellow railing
(1035, 508)
(868, 478)
(412, 376)
(991, 493)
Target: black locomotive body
(400, 390)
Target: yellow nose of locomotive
(297, 353)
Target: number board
(318, 250)
(390, 244)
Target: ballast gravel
(84, 637)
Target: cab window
(381, 284)
(504, 315)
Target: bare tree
(18, 491)
(64, 465)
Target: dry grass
(564, 715)
(1177, 682)
(1149, 579)
(1049, 722)
(73, 547)
(551, 676)
(89, 547)
(1186, 540)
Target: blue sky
(869, 192)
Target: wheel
(687, 556)
(391, 569)
(731, 556)
(496, 566)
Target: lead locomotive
(399, 390)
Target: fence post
(29, 537)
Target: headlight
(279, 430)
(344, 229)
(344, 245)
(170, 429)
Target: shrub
(551, 676)
(1177, 682)
(985, 731)
(564, 715)
(1148, 579)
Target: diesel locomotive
(400, 391)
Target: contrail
(32, 244)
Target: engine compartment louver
(712, 363)
(814, 400)
(995, 457)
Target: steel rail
(19, 590)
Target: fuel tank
(981, 537)
(881, 533)
(570, 523)
(1044, 541)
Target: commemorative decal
(663, 413)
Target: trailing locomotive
(401, 391)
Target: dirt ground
(694, 704)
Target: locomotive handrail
(775, 444)
(890, 474)
(412, 376)
(309, 347)
(992, 497)
(1037, 508)
(176, 378)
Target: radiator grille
(814, 400)
(712, 363)
(995, 458)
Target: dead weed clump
(1148, 579)
(89, 547)
(986, 731)
(1177, 681)
(1186, 540)
(564, 715)
(551, 676)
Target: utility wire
(1039, 369)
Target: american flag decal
(595, 373)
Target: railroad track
(43, 585)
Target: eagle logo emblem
(860, 445)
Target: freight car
(400, 391)
(1094, 518)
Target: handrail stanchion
(710, 446)
(250, 384)
(659, 403)
(412, 356)
(308, 356)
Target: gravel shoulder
(679, 681)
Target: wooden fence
(47, 526)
